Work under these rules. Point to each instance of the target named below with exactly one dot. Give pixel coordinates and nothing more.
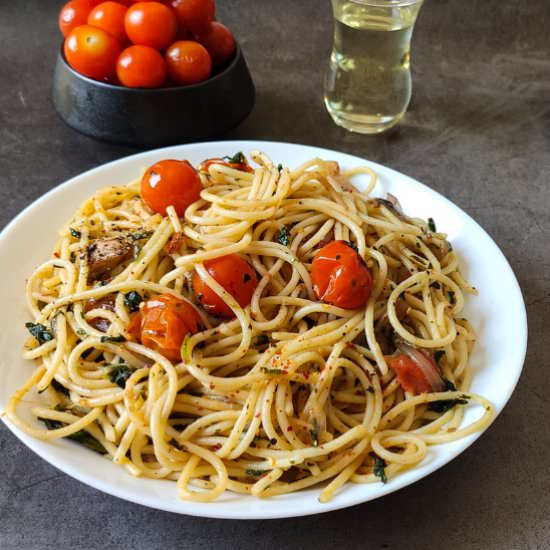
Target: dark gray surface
(478, 131)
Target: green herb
(438, 355)
(237, 158)
(119, 338)
(447, 404)
(60, 388)
(352, 245)
(267, 370)
(81, 332)
(435, 284)
(40, 332)
(76, 234)
(246, 278)
(82, 436)
(72, 257)
(262, 340)
(284, 236)
(120, 374)
(254, 473)
(314, 432)
(431, 225)
(280, 167)
(141, 235)
(452, 299)
(184, 350)
(379, 469)
(132, 300)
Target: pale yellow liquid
(368, 84)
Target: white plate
(497, 314)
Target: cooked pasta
(287, 392)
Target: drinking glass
(368, 83)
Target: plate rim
(209, 509)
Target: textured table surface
(478, 131)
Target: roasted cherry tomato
(73, 14)
(92, 52)
(417, 376)
(188, 62)
(194, 15)
(141, 67)
(163, 322)
(109, 16)
(237, 161)
(170, 182)
(219, 42)
(340, 276)
(235, 275)
(151, 24)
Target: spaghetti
(289, 393)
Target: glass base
(364, 124)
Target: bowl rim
(237, 54)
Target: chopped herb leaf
(132, 300)
(438, 355)
(267, 370)
(120, 374)
(280, 167)
(246, 278)
(314, 432)
(81, 332)
(431, 225)
(141, 235)
(352, 245)
(452, 299)
(262, 340)
(237, 158)
(119, 338)
(40, 332)
(379, 469)
(284, 236)
(254, 473)
(60, 388)
(435, 284)
(447, 404)
(82, 436)
(76, 234)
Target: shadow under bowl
(154, 117)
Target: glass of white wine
(368, 82)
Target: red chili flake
(257, 415)
(289, 429)
(211, 386)
(56, 254)
(306, 374)
(216, 447)
(177, 240)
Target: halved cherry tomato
(163, 322)
(194, 15)
(109, 16)
(237, 161)
(73, 14)
(188, 62)
(170, 183)
(219, 42)
(151, 24)
(417, 377)
(92, 52)
(141, 67)
(340, 276)
(235, 275)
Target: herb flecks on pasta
(287, 381)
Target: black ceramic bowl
(154, 117)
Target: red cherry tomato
(340, 277)
(417, 378)
(162, 324)
(73, 14)
(194, 15)
(237, 161)
(235, 275)
(170, 183)
(109, 16)
(92, 52)
(151, 24)
(219, 42)
(188, 62)
(141, 67)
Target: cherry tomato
(194, 15)
(188, 62)
(340, 277)
(235, 275)
(219, 42)
(417, 376)
(141, 67)
(170, 182)
(92, 52)
(162, 324)
(73, 14)
(109, 16)
(151, 24)
(238, 162)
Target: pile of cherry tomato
(145, 44)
